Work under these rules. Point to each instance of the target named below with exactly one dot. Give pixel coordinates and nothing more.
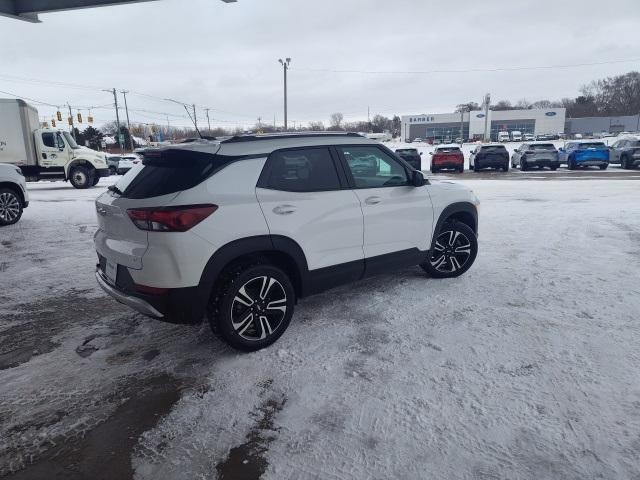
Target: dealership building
(446, 127)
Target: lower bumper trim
(136, 303)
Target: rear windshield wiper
(114, 189)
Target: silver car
(535, 154)
(13, 194)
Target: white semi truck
(45, 153)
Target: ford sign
(480, 115)
(550, 114)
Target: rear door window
(302, 170)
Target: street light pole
(126, 109)
(208, 120)
(285, 67)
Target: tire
(241, 323)
(571, 164)
(10, 207)
(553, 168)
(624, 163)
(80, 177)
(523, 166)
(434, 170)
(461, 170)
(451, 237)
(475, 168)
(603, 167)
(95, 181)
(506, 167)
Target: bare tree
(316, 126)
(336, 121)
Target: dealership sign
(550, 114)
(480, 115)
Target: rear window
(494, 148)
(406, 151)
(448, 150)
(171, 172)
(542, 146)
(591, 145)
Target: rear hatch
(494, 154)
(155, 182)
(447, 155)
(542, 152)
(592, 151)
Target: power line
(468, 70)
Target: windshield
(72, 143)
(406, 150)
(448, 150)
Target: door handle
(373, 200)
(284, 209)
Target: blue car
(586, 153)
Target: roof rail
(275, 136)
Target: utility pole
(195, 120)
(368, 118)
(208, 121)
(126, 109)
(487, 104)
(73, 133)
(285, 67)
(115, 98)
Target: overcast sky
(225, 56)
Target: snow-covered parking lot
(527, 366)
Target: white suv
(239, 229)
(13, 194)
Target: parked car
(127, 162)
(112, 163)
(411, 156)
(503, 136)
(529, 137)
(418, 140)
(584, 153)
(626, 152)
(249, 224)
(493, 155)
(447, 157)
(538, 155)
(13, 194)
(516, 136)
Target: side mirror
(417, 179)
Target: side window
(617, 144)
(373, 168)
(49, 139)
(60, 141)
(303, 170)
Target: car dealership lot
(526, 367)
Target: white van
(503, 136)
(516, 136)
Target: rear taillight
(170, 219)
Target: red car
(447, 157)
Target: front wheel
(571, 164)
(624, 163)
(252, 306)
(603, 167)
(96, 179)
(10, 207)
(454, 251)
(80, 177)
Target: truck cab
(503, 136)
(45, 153)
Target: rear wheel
(523, 165)
(571, 164)
(10, 207)
(96, 179)
(453, 252)
(252, 306)
(554, 168)
(434, 170)
(506, 167)
(603, 167)
(80, 177)
(624, 163)
(460, 169)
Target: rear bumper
(593, 162)
(491, 162)
(136, 303)
(177, 305)
(541, 162)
